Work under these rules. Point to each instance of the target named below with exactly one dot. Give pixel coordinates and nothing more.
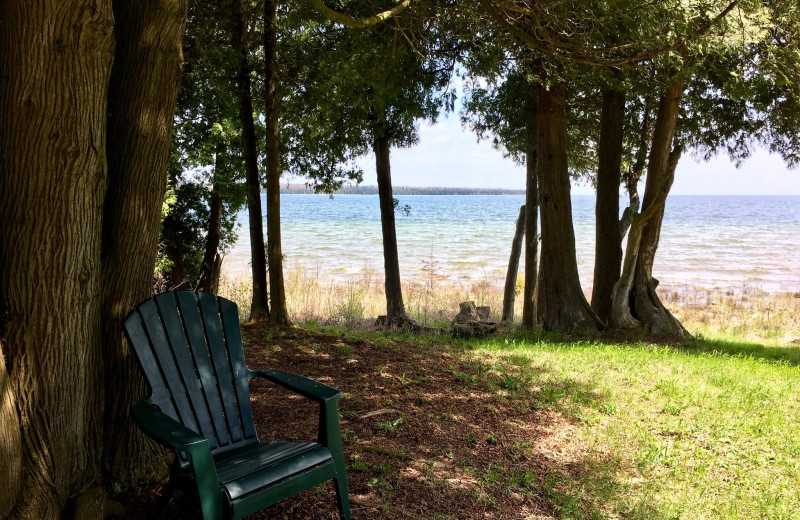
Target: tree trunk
(177, 272)
(258, 307)
(560, 303)
(621, 317)
(55, 62)
(531, 221)
(608, 242)
(211, 256)
(634, 173)
(647, 306)
(395, 310)
(10, 440)
(149, 37)
(279, 314)
(510, 292)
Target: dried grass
(432, 298)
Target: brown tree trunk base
(560, 303)
(653, 316)
(10, 440)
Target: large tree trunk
(258, 307)
(55, 62)
(510, 290)
(10, 440)
(560, 303)
(608, 242)
(621, 317)
(647, 306)
(395, 310)
(279, 315)
(149, 41)
(531, 220)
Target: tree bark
(211, 256)
(621, 317)
(258, 307)
(395, 310)
(608, 242)
(663, 160)
(635, 172)
(10, 439)
(531, 220)
(177, 272)
(279, 314)
(560, 303)
(55, 62)
(510, 292)
(149, 38)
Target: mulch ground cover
(430, 431)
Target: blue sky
(449, 156)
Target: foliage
(206, 153)
(350, 87)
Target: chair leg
(342, 500)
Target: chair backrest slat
(233, 334)
(158, 339)
(209, 308)
(189, 346)
(173, 325)
(193, 324)
(137, 335)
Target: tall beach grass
(432, 297)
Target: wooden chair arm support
(171, 434)
(165, 430)
(308, 388)
(329, 433)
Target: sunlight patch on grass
(703, 430)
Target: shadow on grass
(784, 355)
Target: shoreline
(314, 296)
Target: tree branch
(538, 37)
(358, 23)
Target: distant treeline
(300, 189)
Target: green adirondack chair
(189, 346)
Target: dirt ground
(426, 434)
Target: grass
(705, 430)
(536, 426)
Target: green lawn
(708, 429)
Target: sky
(449, 156)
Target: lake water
(706, 242)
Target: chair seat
(258, 465)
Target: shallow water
(710, 242)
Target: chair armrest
(164, 429)
(170, 433)
(308, 388)
(328, 398)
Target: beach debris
(412, 325)
(472, 321)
